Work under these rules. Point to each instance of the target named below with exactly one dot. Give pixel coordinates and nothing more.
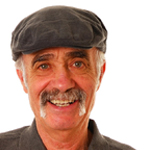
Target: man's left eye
(78, 64)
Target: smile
(62, 103)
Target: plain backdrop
(122, 108)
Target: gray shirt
(27, 138)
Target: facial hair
(55, 94)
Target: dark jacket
(27, 138)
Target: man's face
(53, 72)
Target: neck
(72, 139)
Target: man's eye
(78, 64)
(44, 66)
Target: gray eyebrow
(39, 58)
(79, 53)
(72, 54)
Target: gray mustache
(55, 94)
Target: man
(59, 54)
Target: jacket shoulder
(115, 145)
(10, 140)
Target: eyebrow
(43, 57)
(79, 53)
(72, 54)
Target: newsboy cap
(58, 26)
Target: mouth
(62, 103)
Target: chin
(61, 123)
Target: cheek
(35, 86)
(89, 85)
(87, 82)
(36, 83)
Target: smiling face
(61, 85)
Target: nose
(62, 79)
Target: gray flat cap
(58, 26)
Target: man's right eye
(44, 66)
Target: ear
(101, 75)
(20, 75)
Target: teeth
(62, 103)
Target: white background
(122, 109)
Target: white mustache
(55, 94)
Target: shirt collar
(98, 142)
(30, 138)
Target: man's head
(59, 54)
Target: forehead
(64, 52)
